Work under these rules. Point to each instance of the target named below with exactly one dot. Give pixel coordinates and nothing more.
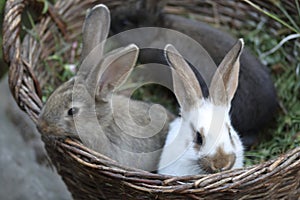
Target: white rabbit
(87, 105)
(202, 140)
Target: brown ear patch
(220, 161)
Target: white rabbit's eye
(198, 137)
(72, 111)
(199, 140)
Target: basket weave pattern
(90, 175)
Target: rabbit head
(82, 95)
(202, 140)
(94, 81)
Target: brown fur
(220, 161)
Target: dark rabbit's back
(255, 102)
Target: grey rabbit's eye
(72, 111)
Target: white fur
(179, 157)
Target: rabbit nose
(222, 165)
(220, 161)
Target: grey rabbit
(255, 102)
(86, 105)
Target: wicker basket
(90, 175)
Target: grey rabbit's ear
(225, 80)
(95, 30)
(185, 83)
(112, 71)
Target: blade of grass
(46, 5)
(284, 40)
(31, 31)
(273, 16)
(298, 8)
(283, 10)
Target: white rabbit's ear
(185, 83)
(225, 80)
(112, 71)
(95, 30)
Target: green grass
(284, 64)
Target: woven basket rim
(267, 168)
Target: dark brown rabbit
(255, 102)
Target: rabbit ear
(112, 71)
(95, 30)
(185, 83)
(225, 81)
